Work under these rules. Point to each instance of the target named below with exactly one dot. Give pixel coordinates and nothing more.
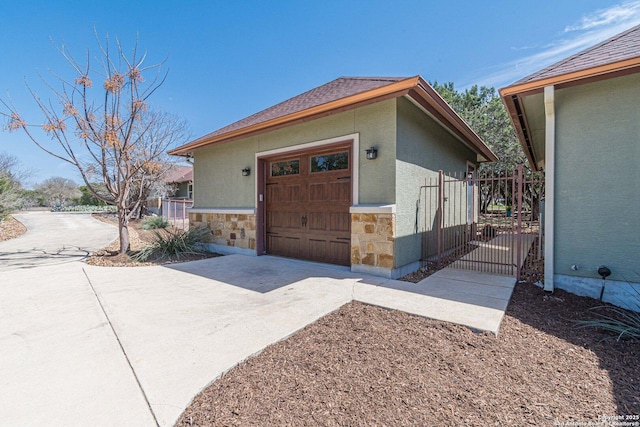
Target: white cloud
(588, 31)
(614, 15)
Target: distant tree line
(55, 192)
(12, 195)
(482, 108)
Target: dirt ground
(364, 365)
(10, 228)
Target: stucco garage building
(331, 175)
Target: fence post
(440, 214)
(519, 228)
(184, 213)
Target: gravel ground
(10, 228)
(364, 365)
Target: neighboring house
(181, 177)
(332, 175)
(180, 180)
(579, 122)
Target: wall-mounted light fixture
(246, 171)
(372, 153)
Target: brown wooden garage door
(308, 196)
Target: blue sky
(227, 59)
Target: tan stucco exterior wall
(423, 148)
(597, 210)
(217, 169)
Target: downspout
(549, 172)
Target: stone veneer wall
(228, 229)
(373, 239)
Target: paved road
(54, 238)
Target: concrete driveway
(54, 238)
(85, 345)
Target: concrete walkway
(85, 345)
(497, 256)
(468, 298)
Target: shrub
(174, 244)
(624, 323)
(154, 222)
(87, 209)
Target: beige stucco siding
(217, 169)
(423, 148)
(597, 211)
(217, 173)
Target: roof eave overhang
(431, 101)
(513, 104)
(512, 95)
(628, 66)
(393, 90)
(415, 87)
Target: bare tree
(58, 191)
(104, 129)
(160, 126)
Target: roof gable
(617, 55)
(614, 57)
(342, 94)
(625, 45)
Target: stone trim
(228, 229)
(373, 240)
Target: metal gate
(483, 221)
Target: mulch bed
(138, 239)
(10, 228)
(364, 365)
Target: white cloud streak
(588, 31)
(612, 16)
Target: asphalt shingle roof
(179, 174)
(337, 89)
(339, 95)
(625, 45)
